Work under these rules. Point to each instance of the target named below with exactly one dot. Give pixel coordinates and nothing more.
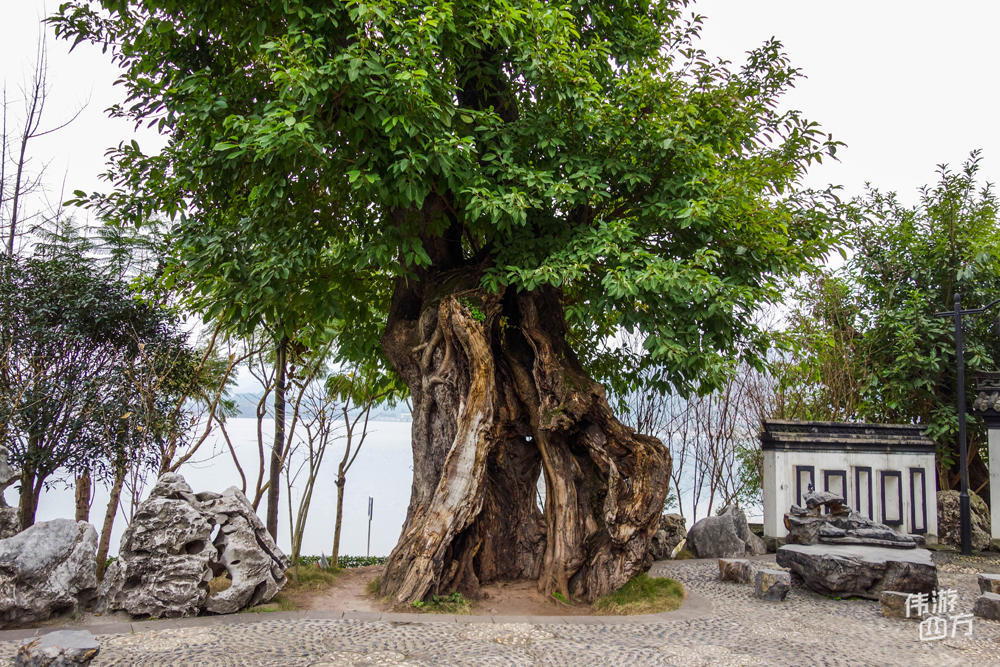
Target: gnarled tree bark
(499, 397)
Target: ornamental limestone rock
(179, 541)
(47, 569)
(948, 524)
(10, 522)
(726, 535)
(670, 533)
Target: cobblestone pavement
(721, 624)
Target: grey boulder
(725, 535)
(987, 606)
(989, 583)
(672, 530)
(48, 569)
(948, 523)
(772, 585)
(895, 605)
(736, 569)
(10, 522)
(63, 647)
(862, 571)
(179, 542)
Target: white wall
(780, 484)
(995, 483)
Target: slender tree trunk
(83, 486)
(335, 552)
(104, 542)
(26, 499)
(277, 447)
(498, 396)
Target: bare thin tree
(19, 179)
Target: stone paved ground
(721, 624)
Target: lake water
(383, 471)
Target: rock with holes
(46, 570)
(179, 542)
(253, 561)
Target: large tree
(494, 189)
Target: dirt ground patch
(519, 598)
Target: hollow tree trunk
(499, 396)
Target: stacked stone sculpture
(826, 519)
(180, 541)
(839, 552)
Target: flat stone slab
(989, 583)
(63, 647)
(987, 606)
(735, 569)
(860, 571)
(772, 584)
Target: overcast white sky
(906, 85)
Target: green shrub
(346, 561)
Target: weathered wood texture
(498, 398)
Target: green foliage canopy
(316, 151)
(75, 346)
(873, 349)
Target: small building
(884, 471)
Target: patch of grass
(372, 587)
(684, 554)
(309, 578)
(456, 603)
(219, 584)
(281, 602)
(561, 598)
(642, 595)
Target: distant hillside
(246, 405)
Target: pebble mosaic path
(720, 624)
